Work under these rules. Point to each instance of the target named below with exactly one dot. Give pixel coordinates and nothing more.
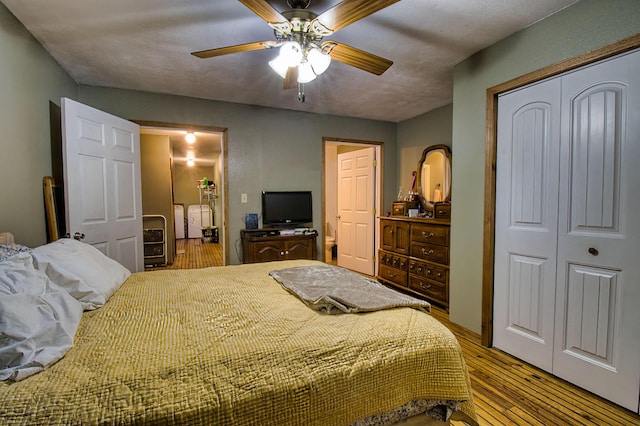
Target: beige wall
(155, 165)
(186, 192)
(432, 128)
(29, 80)
(185, 184)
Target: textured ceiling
(146, 44)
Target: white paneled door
(526, 222)
(356, 200)
(567, 254)
(597, 336)
(103, 196)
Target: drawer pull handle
(425, 286)
(392, 275)
(442, 212)
(429, 235)
(427, 253)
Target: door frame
(225, 169)
(616, 48)
(379, 192)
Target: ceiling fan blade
(246, 47)
(356, 58)
(291, 79)
(349, 11)
(265, 11)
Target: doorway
(333, 239)
(203, 156)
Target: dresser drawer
(442, 211)
(430, 234)
(430, 252)
(428, 270)
(394, 275)
(393, 260)
(431, 289)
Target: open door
(103, 197)
(356, 217)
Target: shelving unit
(208, 195)
(155, 241)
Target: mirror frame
(426, 204)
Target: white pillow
(81, 269)
(10, 249)
(38, 320)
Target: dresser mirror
(433, 183)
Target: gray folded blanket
(335, 290)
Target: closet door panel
(597, 334)
(526, 222)
(592, 301)
(595, 156)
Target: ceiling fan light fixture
(305, 73)
(279, 65)
(319, 60)
(190, 137)
(291, 53)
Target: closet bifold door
(526, 222)
(597, 335)
(567, 227)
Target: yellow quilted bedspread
(229, 346)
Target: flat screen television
(286, 208)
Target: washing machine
(198, 216)
(178, 217)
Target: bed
(231, 346)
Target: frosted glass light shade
(305, 73)
(319, 60)
(291, 53)
(279, 65)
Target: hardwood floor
(506, 390)
(193, 253)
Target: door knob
(593, 251)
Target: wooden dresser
(414, 256)
(266, 245)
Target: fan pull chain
(301, 96)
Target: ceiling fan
(299, 33)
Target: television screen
(286, 208)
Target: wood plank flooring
(193, 253)
(506, 390)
